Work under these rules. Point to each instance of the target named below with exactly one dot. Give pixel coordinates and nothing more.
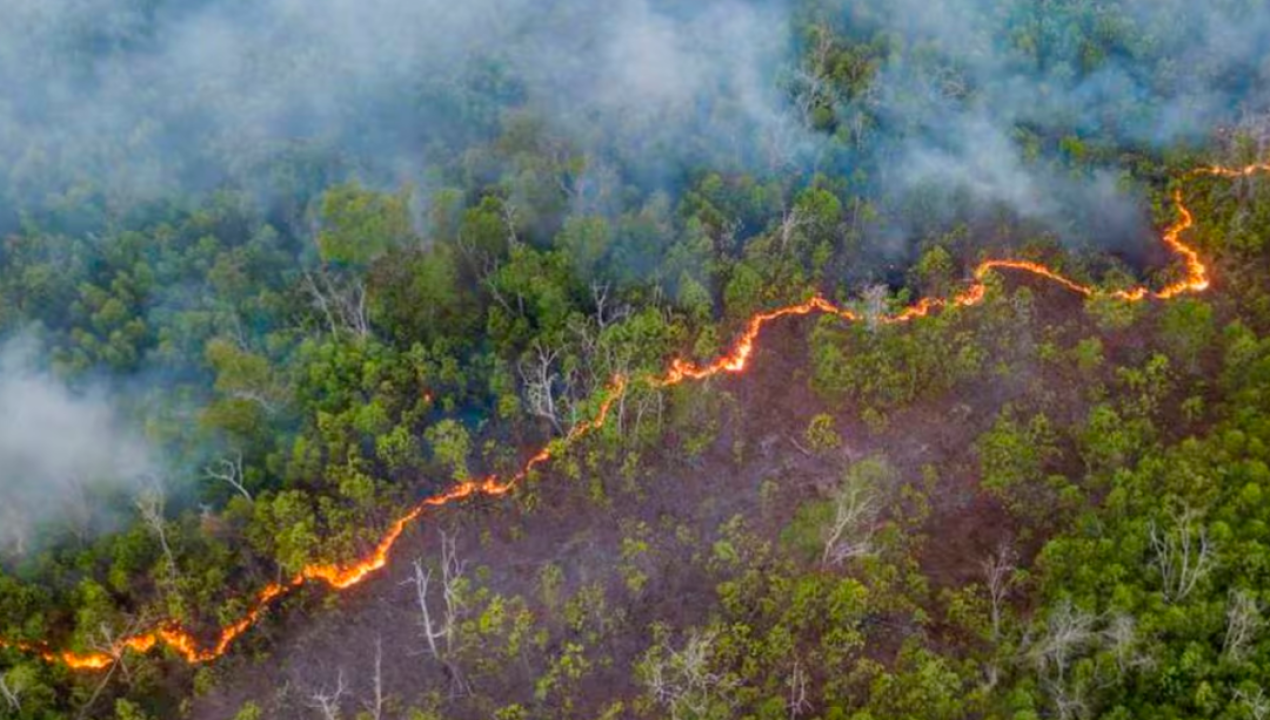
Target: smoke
(983, 92)
(142, 97)
(65, 456)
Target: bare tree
(431, 632)
(257, 396)
(999, 574)
(792, 220)
(445, 627)
(342, 302)
(1243, 622)
(150, 503)
(855, 516)
(682, 680)
(375, 708)
(798, 702)
(230, 471)
(606, 313)
(11, 691)
(1257, 705)
(1068, 632)
(1069, 699)
(1183, 555)
(539, 375)
(1122, 641)
(874, 298)
(327, 701)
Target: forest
(756, 359)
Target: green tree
(452, 445)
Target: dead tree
(798, 703)
(1243, 622)
(999, 576)
(253, 395)
(444, 628)
(792, 220)
(998, 572)
(605, 313)
(327, 702)
(1068, 633)
(150, 503)
(229, 471)
(1183, 555)
(342, 303)
(1121, 640)
(874, 298)
(682, 680)
(375, 708)
(538, 372)
(851, 534)
(431, 632)
(11, 691)
(1257, 704)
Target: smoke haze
(61, 452)
(144, 99)
(147, 94)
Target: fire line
(339, 577)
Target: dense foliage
(313, 360)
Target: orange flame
(736, 360)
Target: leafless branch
(376, 708)
(798, 702)
(327, 702)
(446, 627)
(682, 680)
(851, 534)
(1257, 704)
(998, 571)
(1183, 554)
(538, 372)
(1243, 622)
(150, 503)
(12, 693)
(342, 303)
(230, 471)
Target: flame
(736, 360)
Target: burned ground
(756, 467)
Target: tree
(229, 470)
(445, 627)
(683, 682)
(328, 701)
(452, 445)
(822, 434)
(1243, 622)
(358, 225)
(1183, 554)
(585, 240)
(150, 503)
(856, 509)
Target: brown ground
(304, 647)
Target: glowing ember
(736, 360)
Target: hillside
(836, 359)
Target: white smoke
(62, 452)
